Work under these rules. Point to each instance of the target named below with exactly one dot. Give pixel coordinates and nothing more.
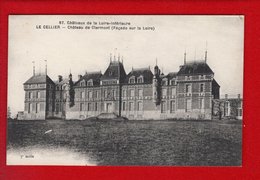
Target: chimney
(226, 96)
(79, 76)
(238, 96)
(60, 78)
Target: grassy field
(177, 143)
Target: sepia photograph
(125, 90)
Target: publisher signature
(27, 156)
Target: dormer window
(140, 79)
(110, 73)
(90, 82)
(164, 82)
(82, 83)
(132, 80)
(173, 82)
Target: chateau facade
(139, 95)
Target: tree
(9, 113)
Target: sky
(164, 38)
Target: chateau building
(141, 94)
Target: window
(105, 93)
(97, 94)
(201, 87)
(81, 107)
(132, 93)
(163, 107)
(164, 92)
(124, 93)
(96, 106)
(113, 93)
(90, 94)
(172, 108)
(173, 82)
(188, 105)
(140, 92)
(82, 94)
(29, 107)
(30, 95)
(38, 95)
(82, 83)
(173, 91)
(132, 80)
(57, 108)
(188, 88)
(164, 82)
(140, 79)
(131, 106)
(124, 106)
(139, 106)
(201, 103)
(89, 106)
(90, 82)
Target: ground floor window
(89, 107)
(172, 106)
(188, 105)
(163, 107)
(57, 108)
(81, 106)
(139, 106)
(131, 106)
(124, 106)
(201, 103)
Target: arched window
(140, 79)
(132, 80)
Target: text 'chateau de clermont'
(142, 94)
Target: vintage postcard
(125, 90)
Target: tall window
(140, 92)
(29, 107)
(164, 92)
(140, 79)
(82, 94)
(201, 87)
(172, 109)
(81, 106)
(124, 106)
(188, 88)
(96, 106)
(89, 106)
(131, 106)
(30, 95)
(124, 93)
(201, 103)
(57, 108)
(105, 93)
(132, 92)
(163, 107)
(90, 94)
(139, 106)
(173, 91)
(132, 80)
(97, 94)
(38, 94)
(188, 105)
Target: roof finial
(118, 57)
(110, 57)
(33, 68)
(122, 59)
(185, 56)
(115, 54)
(156, 61)
(206, 52)
(45, 67)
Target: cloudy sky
(81, 50)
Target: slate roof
(39, 79)
(194, 68)
(171, 75)
(215, 83)
(95, 76)
(115, 70)
(145, 72)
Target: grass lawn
(108, 142)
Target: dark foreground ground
(180, 143)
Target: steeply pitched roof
(171, 75)
(39, 79)
(145, 72)
(115, 70)
(193, 68)
(95, 76)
